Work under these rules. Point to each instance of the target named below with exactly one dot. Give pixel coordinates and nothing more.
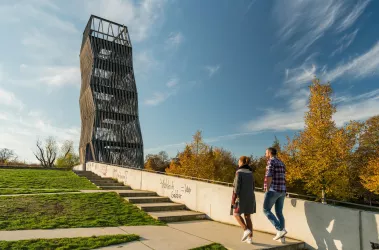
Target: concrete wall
(370, 228)
(320, 226)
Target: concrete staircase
(161, 208)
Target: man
(275, 192)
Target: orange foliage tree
(203, 161)
(318, 156)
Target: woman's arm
(236, 187)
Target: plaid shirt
(277, 170)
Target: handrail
(231, 184)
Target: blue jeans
(276, 198)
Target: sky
(238, 71)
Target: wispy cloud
(51, 75)
(320, 17)
(302, 23)
(352, 17)
(139, 16)
(174, 40)
(172, 82)
(349, 108)
(145, 62)
(361, 66)
(9, 99)
(345, 42)
(161, 96)
(157, 98)
(296, 77)
(212, 69)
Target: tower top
(105, 29)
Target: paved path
(175, 236)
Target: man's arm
(269, 174)
(269, 180)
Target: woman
(243, 201)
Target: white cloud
(349, 108)
(9, 99)
(139, 16)
(359, 67)
(174, 39)
(298, 76)
(212, 69)
(172, 82)
(158, 98)
(352, 17)
(345, 42)
(51, 75)
(302, 23)
(20, 132)
(145, 62)
(61, 76)
(311, 19)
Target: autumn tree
(366, 158)
(67, 158)
(370, 176)
(203, 161)
(46, 153)
(157, 162)
(319, 156)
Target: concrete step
(106, 183)
(136, 193)
(147, 199)
(164, 206)
(175, 216)
(114, 187)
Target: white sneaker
(280, 234)
(249, 240)
(282, 240)
(246, 234)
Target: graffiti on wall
(120, 175)
(177, 192)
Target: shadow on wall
(336, 228)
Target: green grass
(29, 179)
(69, 211)
(4, 191)
(68, 243)
(214, 246)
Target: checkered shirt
(277, 170)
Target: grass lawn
(4, 191)
(31, 179)
(69, 211)
(214, 246)
(68, 243)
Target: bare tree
(7, 155)
(47, 153)
(67, 157)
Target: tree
(46, 154)
(319, 156)
(370, 176)
(7, 155)
(68, 158)
(364, 162)
(157, 162)
(203, 161)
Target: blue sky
(237, 70)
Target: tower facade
(110, 128)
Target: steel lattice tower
(110, 130)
